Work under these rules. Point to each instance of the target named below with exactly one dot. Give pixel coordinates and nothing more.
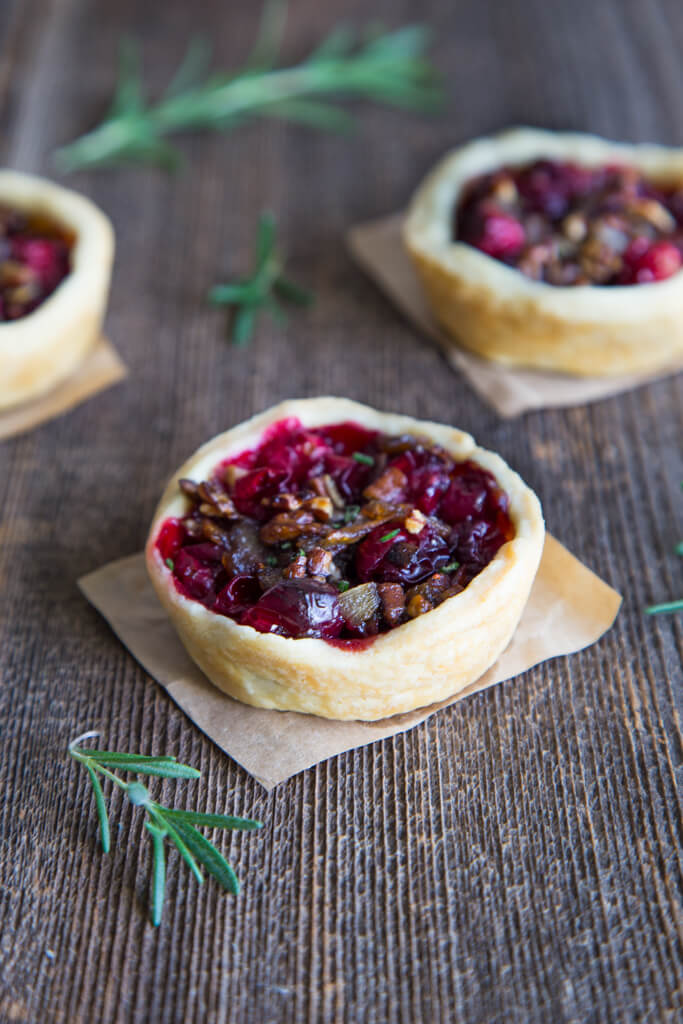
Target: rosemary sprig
(389, 68)
(179, 827)
(263, 290)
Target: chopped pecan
(377, 509)
(296, 569)
(432, 589)
(653, 212)
(415, 521)
(352, 532)
(189, 487)
(399, 445)
(283, 527)
(212, 493)
(387, 487)
(575, 227)
(212, 532)
(319, 562)
(325, 487)
(321, 507)
(418, 605)
(393, 602)
(13, 273)
(505, 190)
(598, 260)
(286, 502)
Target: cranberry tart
(327, 558)
(56, 251)
(556, 251)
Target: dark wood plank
(516, 858)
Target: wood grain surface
(517, 857)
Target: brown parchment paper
(378, 249)
(101, 368)
(569, 608)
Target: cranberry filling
(334, 532)
(570, 225)
(34, 260)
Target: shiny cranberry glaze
(569, 225)
(34, 260)
(334, 532)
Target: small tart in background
(280, 632)
(604, 302)
(56, 251)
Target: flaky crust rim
(501, 314)
(43, 348)
(414, 665)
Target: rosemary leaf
(101, 809)
(666, 606)
(210, 858)
(151, 766)
(158, 871)
(292, 292)
(265, 239)
(113, 757)
(243, 325)
(211, 820)
(159, 816)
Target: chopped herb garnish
(343, 585)
(170, 563)
(451, 567)
(301, 553)
(390, 535)
(286, 545)
(166, 823)
(271, 560)
(367, 460)
(350, 512)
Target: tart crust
(44, 347)
(420, 662)
(499, 313)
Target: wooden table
(517, 857)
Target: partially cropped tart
(56, 251)
(559, 251)
(327, 558)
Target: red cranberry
(237, 596)
(198, 578)
(475, 542)
(349, 475)
(467, 496)
(170, 538)
(297, 608)
(347, 438)
(498, 234)
(392, 555)
(44, 256)
(252, 491)
(645, 262)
